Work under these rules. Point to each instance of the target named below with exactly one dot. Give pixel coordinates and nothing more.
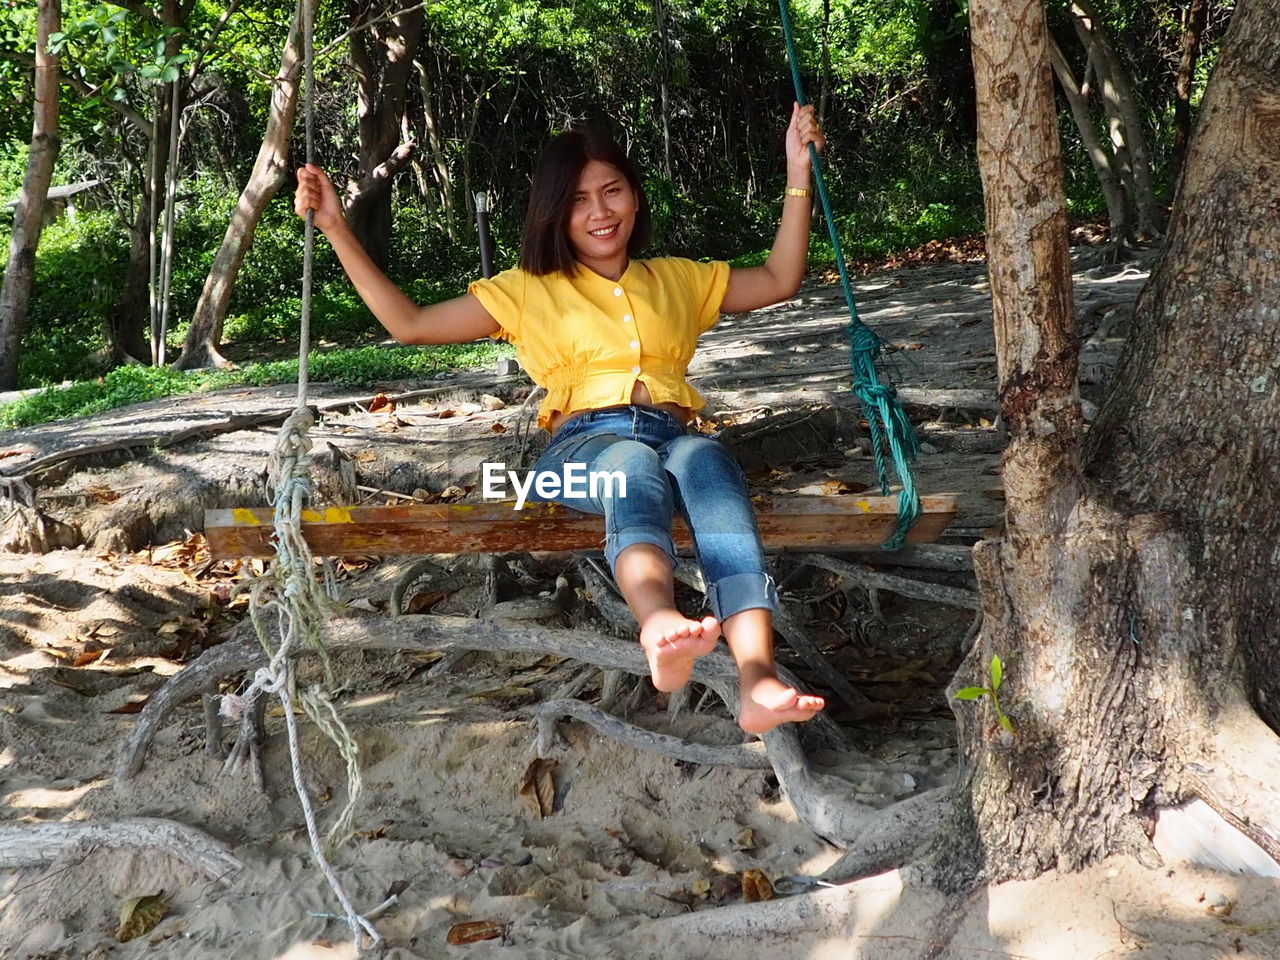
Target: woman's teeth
(604, 232)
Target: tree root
(821, 801)
(33, 844)
(799, 641)
(533, 608)
(750, 756)
(1238, 779)
(892, 837)
(822, 913)
(875, 580)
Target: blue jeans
(667, 469)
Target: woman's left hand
(803, 131)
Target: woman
(610, 338)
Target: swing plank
(491, 527)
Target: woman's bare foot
(768, 702)
(672, 642)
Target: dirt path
(638, 848)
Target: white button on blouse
(617, 291)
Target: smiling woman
(610, 336)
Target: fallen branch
(201, 431)
(204, 431)
(875, 580)
(33, 844)
(750, 756)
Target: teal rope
(890, 429)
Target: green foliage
(896, 80)
(134, 384)
(992, 691)
(78, 272)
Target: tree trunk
(1118, 210)
(1193, 28)
(382, 57)
(269, 171)
(125, 325)
(1129, 582)
(664, 71)
(1121, 104)
(437, 150)
(28, 216)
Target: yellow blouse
(587, 339)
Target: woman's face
(603, 214)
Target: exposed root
(905, 586)
(750, 756)
(823, 913)
(534, 608)
(822, 802)
(33, 844)
(1238, 779)
(798, 639)
(892, 836)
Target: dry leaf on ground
(538, 786)
(140, 915)
(755, 887)
(131, 706)
(474, 931)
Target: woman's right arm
(451, 321)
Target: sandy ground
(642, 855)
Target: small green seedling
(977, 693)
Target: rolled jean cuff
(742, 591)
(615, 543)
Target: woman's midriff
(640, 396)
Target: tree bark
(1189, 428)
(382, 57)
(126, 324)
(1136, 572)
(28, 217)
(201, 348)
(1193, 28)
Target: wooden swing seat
(810, 523)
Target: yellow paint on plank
(862, 505)
(328, 515)
(244, 516)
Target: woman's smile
(602, 218)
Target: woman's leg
(638, 546)
(712, 496)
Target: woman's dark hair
(546, 248)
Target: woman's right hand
(315, 192)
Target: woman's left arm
(779, 279)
